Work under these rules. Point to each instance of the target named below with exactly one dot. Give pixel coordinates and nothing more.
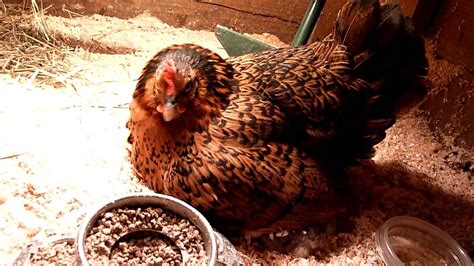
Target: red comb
(169, 77)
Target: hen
(259, 142)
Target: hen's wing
(306, 82)
(313, 85)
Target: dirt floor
(62, 152)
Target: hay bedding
(63, 130)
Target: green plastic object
(307, 24)
(236, 44)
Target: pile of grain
(112, 225)
(57, 252)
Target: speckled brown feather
(256, 145)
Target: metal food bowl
(150, 200)
(405, 240)
(24, 257)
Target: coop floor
(62, 152)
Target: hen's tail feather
(355, 17)
(390, 56)
(384, 43)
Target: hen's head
(185, 84)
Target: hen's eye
(191, 85)
(188, 86)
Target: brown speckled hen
(259, 142)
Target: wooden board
(452, 110)
(289, 11)
(325, 23)
(453, 30)
(278, 17)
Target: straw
(28, 51)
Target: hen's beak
(170, 109)
(170, 112)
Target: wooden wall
(278, 17)
(453, 28)
(452, 110)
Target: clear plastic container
(405, 240)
